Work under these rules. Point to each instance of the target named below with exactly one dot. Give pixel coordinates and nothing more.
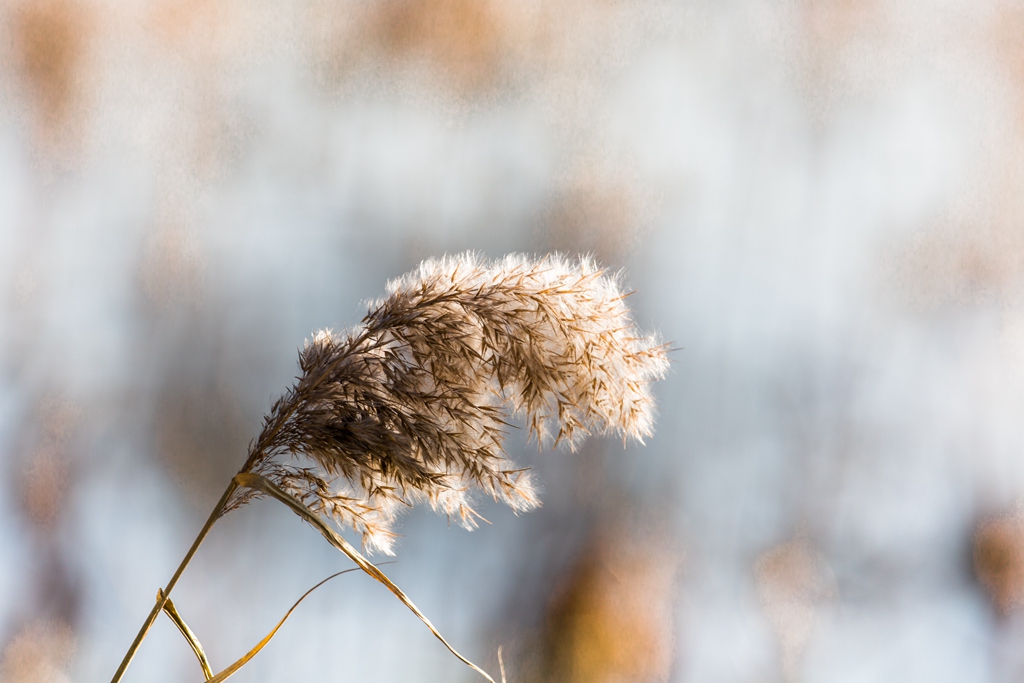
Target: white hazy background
(818, 203)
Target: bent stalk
(166, 592)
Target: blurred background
(819, 202)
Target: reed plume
(413, 404)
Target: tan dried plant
(413, 404)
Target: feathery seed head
(412, 404)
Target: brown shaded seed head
(413, 404)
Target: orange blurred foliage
(461, 37)
(999, 560)
(51, 39)
(792, 579)
(599, 213)
(613, 618)
(44, 479)
(40, 653)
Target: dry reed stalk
(412, 405)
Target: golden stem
(165, 593)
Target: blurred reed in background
(818, 201)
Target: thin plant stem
(158, 607)
(230, 671)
